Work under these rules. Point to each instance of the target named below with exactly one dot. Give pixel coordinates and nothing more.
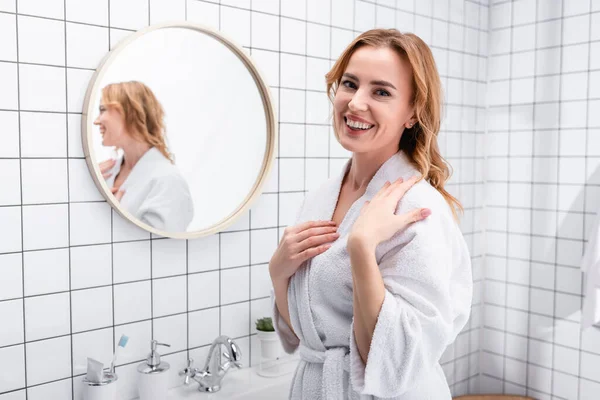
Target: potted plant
(269, 342)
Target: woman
(144, 178)
(374, 282)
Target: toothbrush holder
(105, 390)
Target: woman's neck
(363, 168)
(132, 152)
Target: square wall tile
(132, 14)
(289, 206)
(291, 174)
(12, 369)
(342, 16)
(168, 257)
(45, 226)
(293, 71)
(11, 315)
(11, 285)
(44, 181)
(203, 254)
(46, 271)
(265, 31)
(9, 97)
(77, 84)
(236, 24)
(264, 212)
(264, 243)
(235, 249)
(203, 290)
(291, 140)
(8, 31)
(317, 141)
(235, 285)
(169, 296)
(47, 316)
(131, 261)
(41, 41)
(92, 308)
(10, 180)
(260, 281)
(91, 266)
(293, 36)
(317, 108)
(42, 88)
(292, 106)
(50, 9)
(235, 320)
(43, 135)
(90, 223)
(96, 344)
(9, 120)
(204, 327)
(38, 353)
(81, 185)
(166, 10)
(317, 40)
(54, 390)
(91, 12)
(172, 330)
(203, 13)
(132, 302)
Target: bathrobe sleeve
(168, 205)
(422, 309)
(287, 337)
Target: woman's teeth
(358, 125)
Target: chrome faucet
(210, 377)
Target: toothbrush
(122, 343)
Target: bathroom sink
(242, 384)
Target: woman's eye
(382, 92)
(349, 84)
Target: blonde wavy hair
(420, 141)
(141, 110)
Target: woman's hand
(298, 244)
(378, 222)
(106, 166)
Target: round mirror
(179, 130)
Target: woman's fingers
(300, 236)
(308, 225)
(312, 252)
(415, 215)
(401, 187)
(314, 241)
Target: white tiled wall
(542, 191)
(75, 276)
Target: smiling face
(373, 103)
(112, 126)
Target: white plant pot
(269, 344)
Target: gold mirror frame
(87, 120)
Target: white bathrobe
(426, 271)
(590, 265)
(156, 193)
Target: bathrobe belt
(335, 361)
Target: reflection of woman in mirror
(387, 283)
(143, 177)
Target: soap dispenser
(153, 377)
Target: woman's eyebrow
(378, 83)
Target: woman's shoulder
(424, 195)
